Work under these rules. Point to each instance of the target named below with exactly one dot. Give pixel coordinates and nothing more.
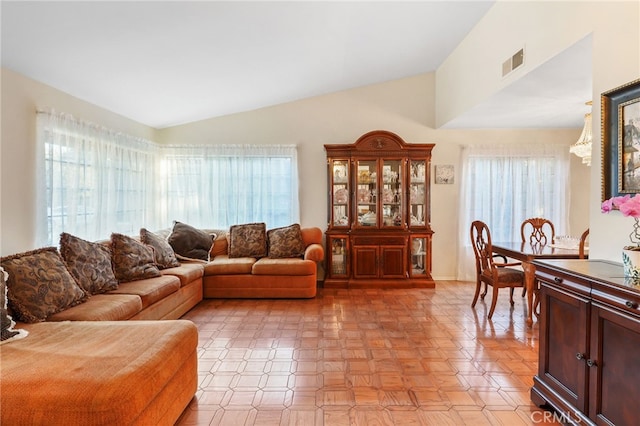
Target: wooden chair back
(537, 231)
(583, 243)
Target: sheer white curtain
(92, 179)
(222, 185)
(503, 186)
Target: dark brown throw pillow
(190, 242)
(162, 251)
(7, 332)
(132, 260)
(286, 242)
(89, 263)
(40, 284)
(248, 240)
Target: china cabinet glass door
(366, 194)
(391, 194)
(339, 256)
(340, 189)
(418, 256)
(417, 190)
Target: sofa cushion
(89, 263)
(189, 242)
(150, 290)
(7, 333)
(40, 284)
(248, 240)
(100, 373)
(224, 265)
(162, 251)
(289, 266)
(102, 307)
(285, 242)
(132, 260)
(186, 272)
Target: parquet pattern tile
(365, 357)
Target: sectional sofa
(94, 352)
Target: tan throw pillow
(286, 242)
(248, 240)
(7, 333)
(190, 242)
(89, 263)
(40, 284)
(132, 260)
(162, 251)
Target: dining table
(526, 253)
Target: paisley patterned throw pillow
(89, 263)
(40, 284)
(286, 242)
(248, 240)
(163, 252)
(132, 260)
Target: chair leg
(494, 299)
(524, 291)
(475, 296)
(484, 293)
(511, 296)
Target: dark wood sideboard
(589, 359)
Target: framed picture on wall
(444, 174)
(620, 108)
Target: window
(504, 185)
(223, 185)
(95, 181)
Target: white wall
(545, 29)
(405, 107)
(21, 97)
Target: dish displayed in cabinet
(387, 195)
(341, 196)
(364, 195)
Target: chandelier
(582, 147)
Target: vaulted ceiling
(167, 63)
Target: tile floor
(365, 357)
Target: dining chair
(582, 245)
(495, 274)
(538, 230)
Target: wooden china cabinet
(379, 231)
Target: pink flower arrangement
(628, 206)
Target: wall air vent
(513, 62)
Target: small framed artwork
(620, 108)
(444, 174)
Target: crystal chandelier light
(582, 147)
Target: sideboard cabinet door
(614, 372)
(564, 343)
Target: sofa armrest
(314, 252)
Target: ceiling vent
(513, 62)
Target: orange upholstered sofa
(82, 362)
(266, 277)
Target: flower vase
(631, 263)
